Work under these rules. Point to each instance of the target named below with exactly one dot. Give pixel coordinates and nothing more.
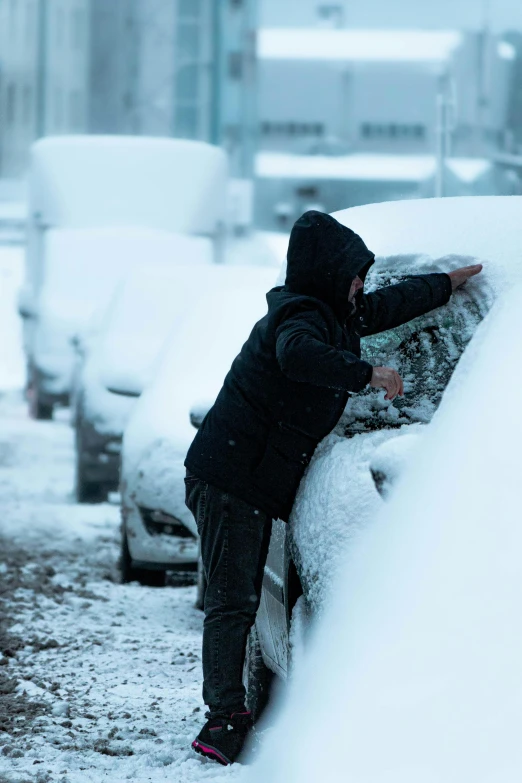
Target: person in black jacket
(283, 394)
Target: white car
(92, 201)
(338, 498)
(158, 531)
(413, 673)
(117, 364)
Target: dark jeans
(234, 545)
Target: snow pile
(172, 185)
(337, 497)
(198, 355)
(415, 670)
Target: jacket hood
(324, 257)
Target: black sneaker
(222, 739)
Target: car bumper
(159, 550)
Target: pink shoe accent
(210, 752)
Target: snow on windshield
(337, 497)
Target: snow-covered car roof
(197, 356)
(169, 184)
(488, 227)
(422, 640)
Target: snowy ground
(98, 681)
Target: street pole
(41, 72)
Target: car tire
(129, 573)
(201, 584)
(86, 490)
(39, 410)
(257, 677)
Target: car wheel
(88, 491)
(129, 573)
(257, 677)
(201, 585)
(38, 409)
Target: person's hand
(459, 276)
(386, 378)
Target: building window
(187, 122)
(190, 9)
(188, 40)
(27, 105)
(58, 108)
(75, 110)
(10, 109)
(59, 24)
(307, 191)
(292, 129)
(187, 83)
(235, 66)
(393, 131)
(77, 28)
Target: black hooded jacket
(290, 384)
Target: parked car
(92, 200)
(118, 362)
(338, 498)
(158, 531)
(413, 672)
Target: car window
(425, 352)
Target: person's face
(356, 285)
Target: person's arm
(397, 304)
(304, 354)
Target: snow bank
(415, 670)
(197, 357)
(92, 181)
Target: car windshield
(424, 352)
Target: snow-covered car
(158, 531)
(107, 186)
(116, 365)
(338, 497)
(413, 672)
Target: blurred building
(353, 116)
(44, 75)
(182, 68)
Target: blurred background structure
(326, 104)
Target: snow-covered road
(98, 681)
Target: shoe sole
(211, 753)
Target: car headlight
(159, 523)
